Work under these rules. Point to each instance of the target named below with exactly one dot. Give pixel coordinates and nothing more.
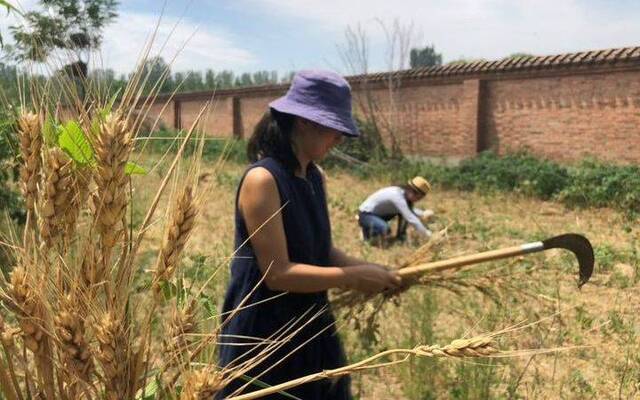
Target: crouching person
(376, 212)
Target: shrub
(588, 184)
(161, 142)
(9, 198)
(596, 184)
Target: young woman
(391, 202)
(286, 260)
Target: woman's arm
(259, 203)
(342, 259)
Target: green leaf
(180, 292)
(149, 391)
(208, 305)
(10, 7)
(169, 290)
(74, 142)
(265, 385)
(134, 169)
(51, 131)
(102, 113)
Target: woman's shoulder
(258, 175)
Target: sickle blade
(578, 245)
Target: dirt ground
(596, 327)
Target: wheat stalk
(30, 310)
(8, 380)
(30, 146)
(182, 325)
(202, 384)
(55, 199)
(181, 224)
(479, 346)
(113, 355)
(112, 149)
(79, 192)
(75, 353)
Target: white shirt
(390, 201)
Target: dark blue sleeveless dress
(308, 233)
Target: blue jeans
(373, 225)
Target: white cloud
(194, 48)
(476, 28)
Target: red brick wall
(165, 112)
(427, 118)
(217, 121)
(252, 108)
(560, 116)
(566, 118)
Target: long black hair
(272, 138)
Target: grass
(600, 316)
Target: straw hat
(420, 185)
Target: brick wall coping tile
(559, 63)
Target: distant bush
(604, 185)
(162, 141)
(588, 184)
(366, 147)
(516, 172)
(10, 201)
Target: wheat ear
(113, 355)
(182, 325)
(480, 346)
(182, 220)
(55, 199)
(201, 384)
(31, 317)
(113, 147)
(75, 353)
(30, 146)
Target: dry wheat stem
(479, 346)
(8, 381)
(30, 310)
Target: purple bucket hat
(323, 97)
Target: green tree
(464, 60)
(244, 80)
(156, 71)
(74, 26)
(518, 55)
(210, 79)
(225, 79)
(425, 57)
(193, 81)
(10, 8)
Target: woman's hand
(371, 278)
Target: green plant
(163, 141)
(596, 184)
(589, 184)
(10, 201)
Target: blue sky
(284, 35)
